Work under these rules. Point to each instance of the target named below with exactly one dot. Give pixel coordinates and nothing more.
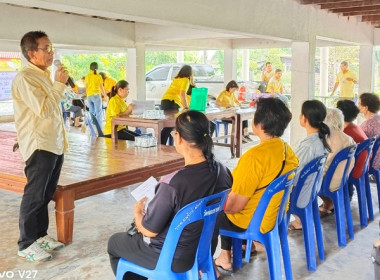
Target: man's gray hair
(334, 119)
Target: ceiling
(367, 10)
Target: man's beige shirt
(346, 87)
(38, 113)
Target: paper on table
(141, 106)
(145, 189)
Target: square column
(229, 65)
(131, 74)
(303, 82)
(366, 69)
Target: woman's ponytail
(323, 133)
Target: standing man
(267, 73)
(42, 141)
(346, 79)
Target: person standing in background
(346, 80)
(94, 91)
(267, 73)
(42, 142)
(108, 83)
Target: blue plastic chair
(98, 128)
(217, 124)
(65, 114)
(339, 197)
(309, 215)
(206, 209)
(373, 171)
(271, 239)
(360, 183)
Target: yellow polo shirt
(346, 87)
(227, 97)
(275, 86)
(257, 168)
(93, 82)
(173, 92)
(38, 113)
(116, 106)
(109, 83)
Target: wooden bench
(91, 166)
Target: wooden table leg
(239, 128)
(64, 214)
(114, 132)
(233, 136)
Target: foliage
(112, 63)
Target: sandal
(323, 212)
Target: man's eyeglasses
(48, 49)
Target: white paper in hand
(146, 189)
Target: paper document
(141, 106)
(145, 189)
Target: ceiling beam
(357, 9)
(350, 4)
(371, 18)
(363, 13)
(318, 2)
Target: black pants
(167, 105)
(133, 249)
(223, 222)
(125, 134)
(42, 172)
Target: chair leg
(369, 196)
(339, 218)
(283, 231)
(273, 255)
(347, 209)
(248, 248)
(318, 230)
(210, 273)
(377, 178)
(236, 249)
(225, 131)
(362, 203)
(308, 238)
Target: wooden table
(90, 167)
(169, 121)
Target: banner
(6, 79)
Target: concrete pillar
(366, 68)
(245, 65)
(131, 76)
(205, 56)
(324, 71)
(140, 71)
(303, 76)
(229, 65)
(180, 56)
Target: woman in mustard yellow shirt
(228, 99)
(175, 96)
(117, 106)
(256, 169)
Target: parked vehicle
(159, 78)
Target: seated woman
(313, 113)
(195, 180)
(369, 106)
(67, 103)
(350, 112)
(337, 140)
(117, 106)
(228, 99)
(175, 97)
(256, 169)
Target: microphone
(70, 80)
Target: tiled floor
(98, 217)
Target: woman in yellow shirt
(117, 106)
(228, 99)
(175, 96)
(256, 169)
(94, 92)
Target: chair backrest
(282, 183)
(311, 173)
(207, 209)
(98, 128)
(345, 154)
(365, 146)
(375, 149)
